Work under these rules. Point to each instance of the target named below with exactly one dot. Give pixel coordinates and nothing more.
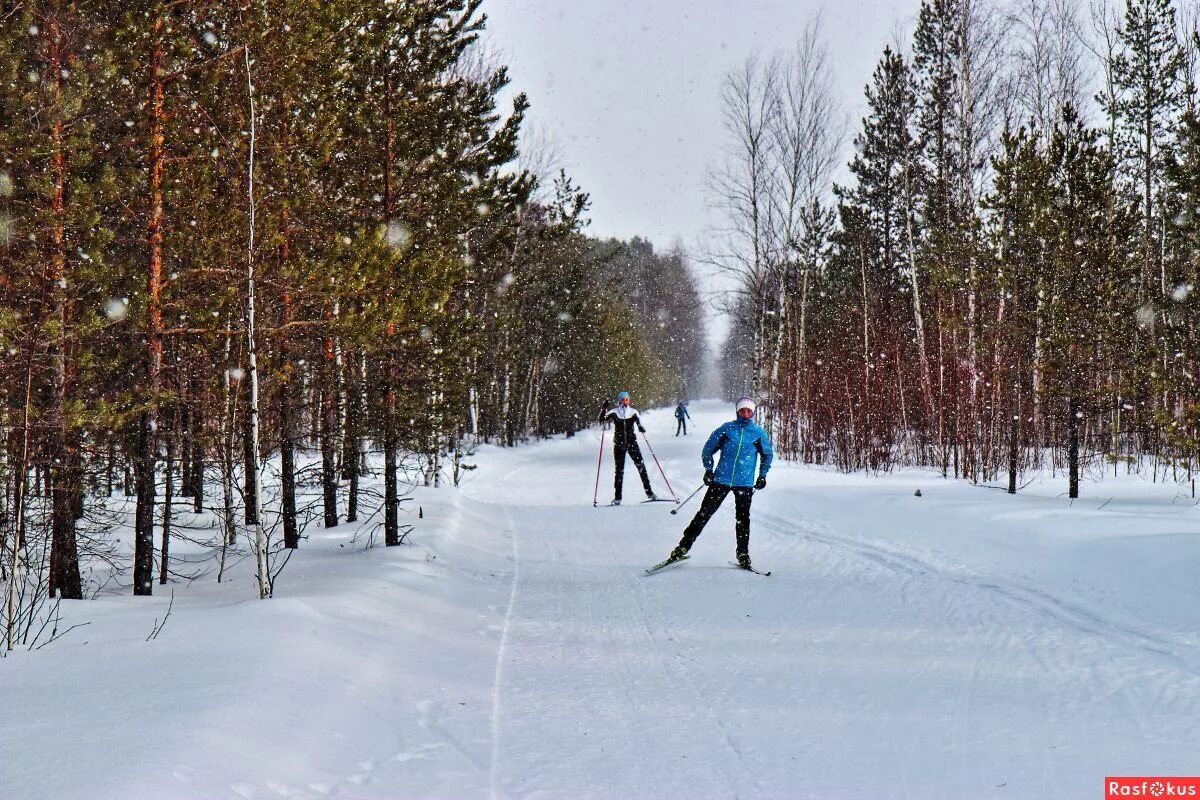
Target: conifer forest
(1004, 275)
(253, 246)
(244, 246)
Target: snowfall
(963, 643)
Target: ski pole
(660, 469)
(689, 497)
(596, 492)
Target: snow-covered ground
(960, 644)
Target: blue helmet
(622, 396)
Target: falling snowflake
(115, 309)
(399, 235)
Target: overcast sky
(628, 89)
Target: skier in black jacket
(624, 418)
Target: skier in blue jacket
(681, 417)
(743, 444)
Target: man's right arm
(711, 446)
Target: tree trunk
(195, 447)
(351, 446)
(1014, 433)
(249, 462)
(329, 479)
(168, 498)
(254, 500)
(287, 450)
(109, 461)
(128, 486)
(287, 445)
(1073, 415)
(228, 439)
(64, 560)
(143, 560)
(391, 502)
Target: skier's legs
(636, 454)
(683, 422)
(619, 462)
(678, 425)
(741, 498)
(708, 506)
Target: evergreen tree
(888, 178)
(1146, 75)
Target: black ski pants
(742, 495)
(681, 425)
(635, 453)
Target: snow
(964, 643)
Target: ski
(658, 500)
(664, 564)
(750, 569)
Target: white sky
(628, 89)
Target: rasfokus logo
(1158, 786)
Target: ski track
(1145, 678)
(643, 666)
(501, 657)
(858, 670)
(636, 589)
(617, 684)
(1032, 600)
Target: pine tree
(888, 177)
(1182, 209)
(1146, 74)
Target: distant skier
(741, 443)
(681, 417)
(624, 419)
(604, 409)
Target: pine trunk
(287, 445)
(391, 501)
(168, 500)
(143, 560)
(1073, 415)
(64, 577)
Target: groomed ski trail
(863, 668)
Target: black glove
(761, 483)
(708, 477)
(640, 428)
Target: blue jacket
(741, 442)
